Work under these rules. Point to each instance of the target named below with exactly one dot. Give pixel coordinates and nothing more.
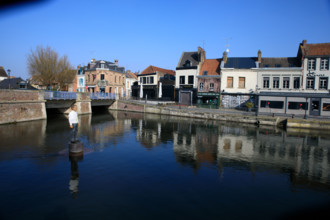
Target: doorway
(315, 106)
(186, 98)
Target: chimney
(259, 56)
(202, 54)
(304, 42)
(93, 60)
(116, 62)
(224, 57)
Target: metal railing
(59, 95)
(102, 95)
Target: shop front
(208, 100)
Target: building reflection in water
(196, 143)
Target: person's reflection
(74, 179)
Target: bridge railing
(102, 95)
(60, 95)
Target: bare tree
(46, 67)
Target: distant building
(3, 74)
(103, 77)
(186, 76)
(131, 78)
(208, 94)
(79, 84)
(16, 83)
(152, 78)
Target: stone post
(83, 103)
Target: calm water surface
(139, 166)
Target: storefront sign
(313, 74)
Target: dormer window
(23, 85)
(102, 65)
(205, 73)
(187, 63)
(277, 65)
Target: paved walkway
(173, 105)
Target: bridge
(84, 101)
(26, 105)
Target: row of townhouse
(288, 85)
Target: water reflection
(20, 139)
(301, 153)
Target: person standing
(74, 123)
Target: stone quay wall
(21, 105)
(222, 116)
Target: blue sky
(143, 33)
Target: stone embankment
(222, 115)
(19, 106)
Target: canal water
(140, 166)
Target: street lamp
(8, 71)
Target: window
(311, 64)
(211, 86)
(205, 73)
(102, 65)
(144, 80)
(276, 82)
(310, 83)
(102, 76)
(326, 107)
(277, 65)
(230, 82)
(298, 105)
(296, 82)
(241, 82)
(151, 80)
(190, 79)
(286, 82)
(182, 79)
(201, 86)
(272, 104)
(324, 64)
(81, 82)
(141, 79)
(323, 83)
(266, 82)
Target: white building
(81, 84)
(238, 80)
(3, 74)
(131, 78)
(187, 71)
(297, 86)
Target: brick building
(104, 77)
